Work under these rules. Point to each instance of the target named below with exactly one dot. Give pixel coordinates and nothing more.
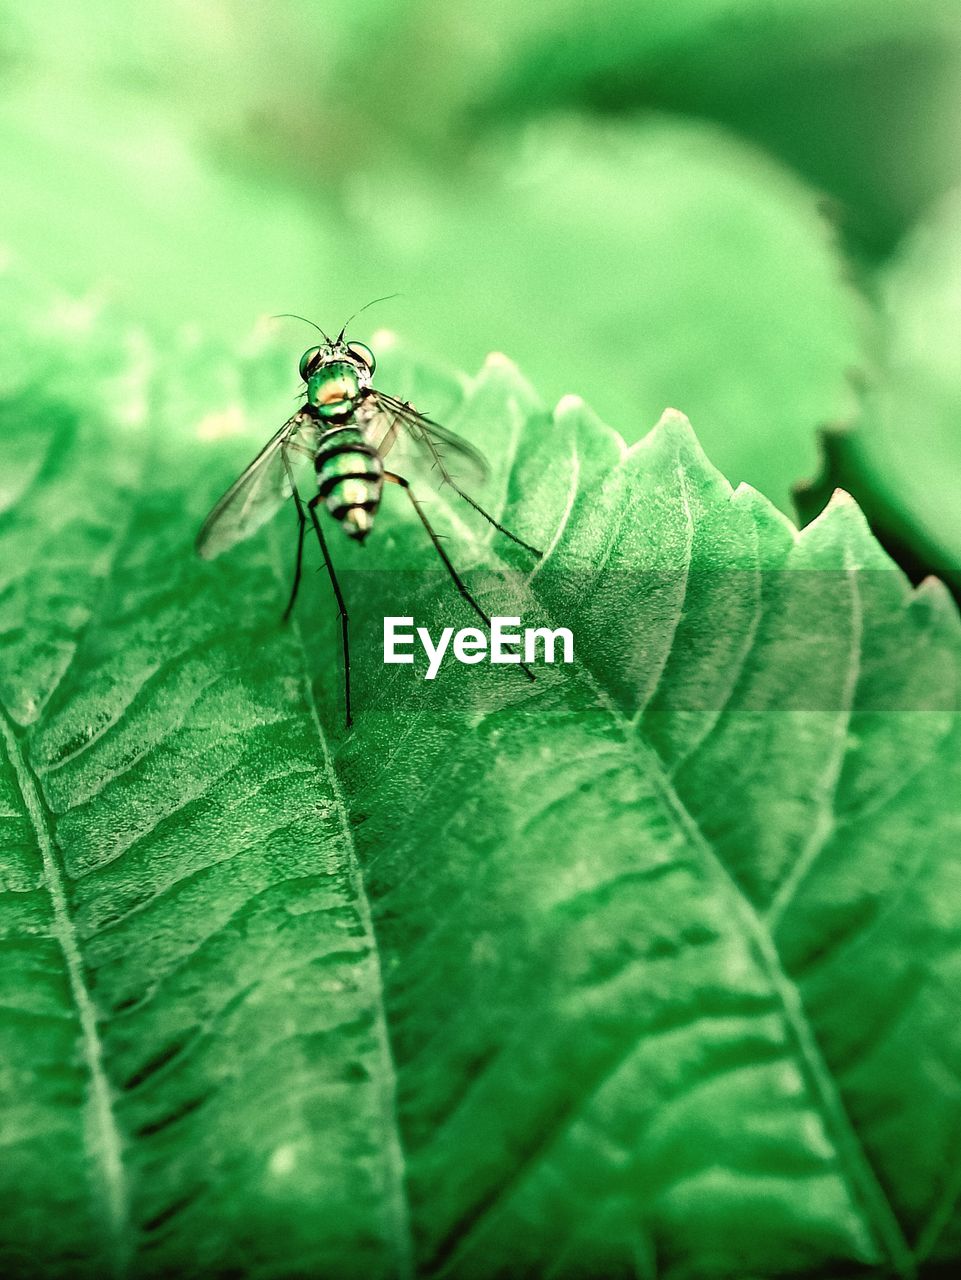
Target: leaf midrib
(398, 1205)
(860, 1176)
(106, 1140)
(106, 1137)
(862, 1180)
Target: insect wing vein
(260, 491)
(434, 441)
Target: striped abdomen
(350, 478)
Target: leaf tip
(840, 509)
(502, 374)
(498, 362)
(934, 592)
(842, 535)
(841, 498)
(673, 432)
(569, 404)
(675, 422)
(844, 512)
(574, 415)
(672, 429)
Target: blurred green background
(738, 208)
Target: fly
(343, 433)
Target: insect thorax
(333, 389)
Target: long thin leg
(301, 529)
(448, 479)
(455, 576)
(299, 564)
(344, 619)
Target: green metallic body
(333, 389)
(350, 474)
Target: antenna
(289, 315)
(386, 298)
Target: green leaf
(903, 461)
(646, 968)
(861, 98)
(640, 265)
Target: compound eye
(307, 360)
(364, 354)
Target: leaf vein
(824, 826)
(398, 1207)
(862, 1180)
(672, 628)
(105, 1137)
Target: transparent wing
(444, 451)
(262, 489)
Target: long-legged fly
(345, 430)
